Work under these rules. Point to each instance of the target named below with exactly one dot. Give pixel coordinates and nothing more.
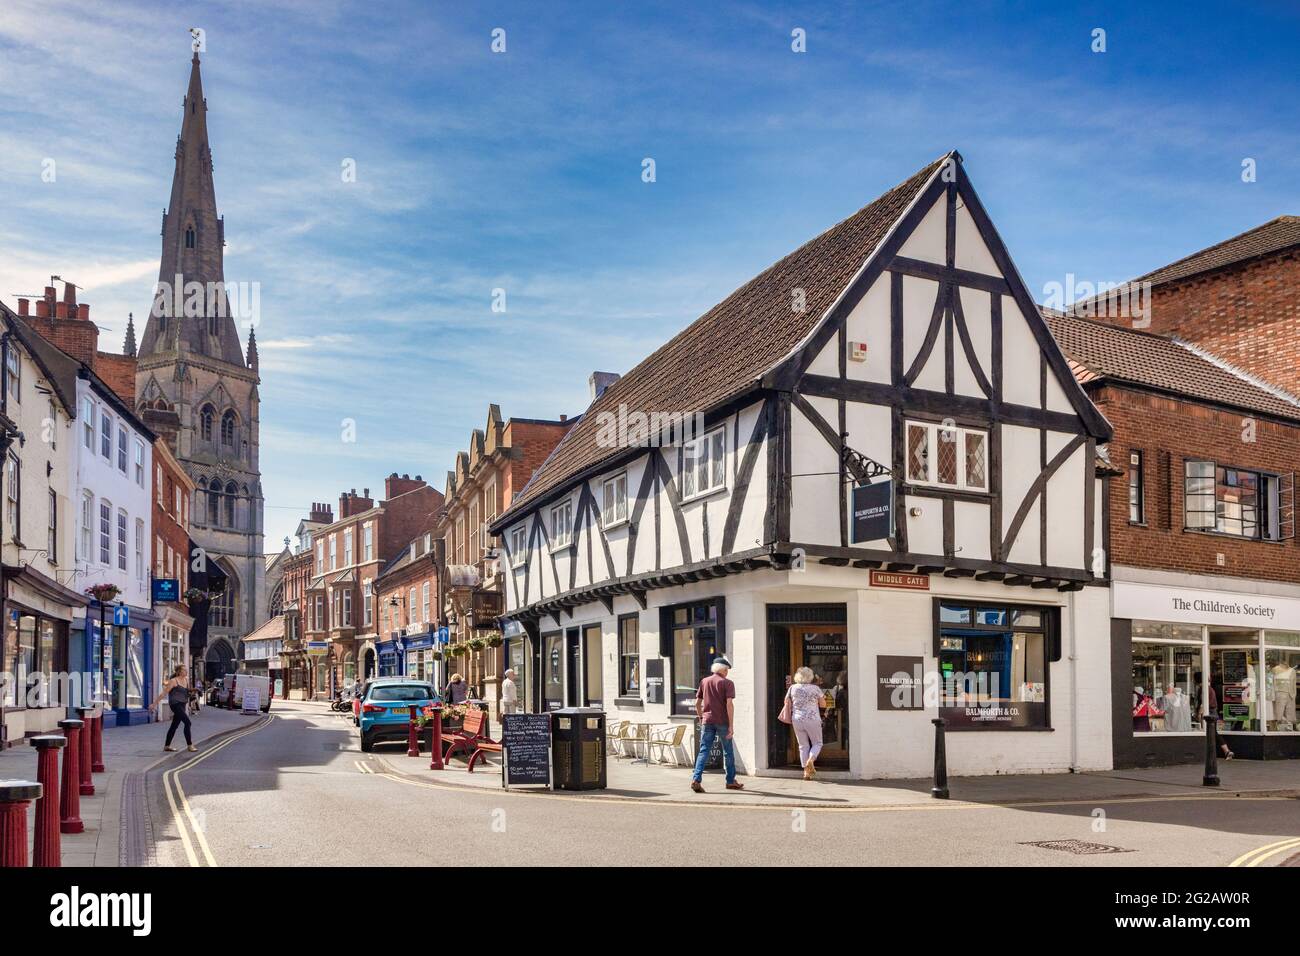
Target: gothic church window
(214, 502)
(229, 504)
(205, 423)
(228, 428)
(189, 237)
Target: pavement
(629, 779)
(129, 753)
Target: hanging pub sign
(871, 508)
(166, 589)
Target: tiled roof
(270, 631)
(723, 352)
(1274, 236)
(1097, 351)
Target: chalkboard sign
(527, 742)
(654, 680)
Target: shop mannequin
(1177, 708)
(1284, 681)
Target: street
(295, 789)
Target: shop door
(824, 649)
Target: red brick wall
(168, 523)
(78, 338)
(1248, 315)
(1169, 431)
(118, 373)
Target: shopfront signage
(526, 745)
(654, 680)
(318, 648)
(1151, 602)
(897, 579)
(166, 589)
(872, 508)
(899, 683)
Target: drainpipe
(1074, 681)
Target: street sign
(444, 635)
(166, 589)
(872, 508)
(121, 616)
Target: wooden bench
(473, 731)
(484, 748)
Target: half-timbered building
(872, 460)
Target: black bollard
(1211, 778)
(940, 789)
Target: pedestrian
(177, 691)
(1212, 714)
(509, 693)
(806, 701)
(715, 705)
(457, 691)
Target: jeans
(178, 717)
(708, 733)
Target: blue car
(385, 708)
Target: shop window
(993, 666)
(1281, 664)
(1237, 678)
(1168, 685)
(696, 636)
(629, 656)
(552, 671)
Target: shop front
(392, 657)
(1173, 645)
(418, 658)
(317, 666)
(38, 686)
(121, 657)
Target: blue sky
(522, 171)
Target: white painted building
(114, 535)
(39, 592)
(901, 343)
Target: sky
(522, 171)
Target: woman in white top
(806, 700)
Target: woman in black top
(177, 692)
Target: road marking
(938, 805)
(1258, 855)
(179, 801)
(363, 767)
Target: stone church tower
(196, 388)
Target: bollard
(70, 793)
(97, 744)
(83, 759)
(435, 763)
(412, 735)
(1211, 778)
(14, 797)
(940, 789)
(45, 844)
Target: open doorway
(816, 637)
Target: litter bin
(578, 748)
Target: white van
(232, 694)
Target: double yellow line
(1260, 854)
(178, 801)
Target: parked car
(232, 687)
(215, 691)
(385, 708)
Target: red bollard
(412, 735)
(14, 797)
(436, 762)
(97, 744)
(83, 759)
(45, 846)
(70, 794)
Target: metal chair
(616, 735)
(670, 739)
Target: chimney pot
(83, 311)
(69, 295)
(42, 309)
(23, 305)
(564, 418)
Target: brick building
(348, 555)
(1202, 550)
(1237, 299)
(407, 602)
(173, 490)
(501, 458)
(300, 660)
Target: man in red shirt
(715, 704)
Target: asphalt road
(292, 791)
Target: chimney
(60, 310)
(23, 306)
(321, 513)
(394, 485)
(83, 312)
(600, 381)
(42, 308)
(70, 296)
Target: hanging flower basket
(437, 655)
(495, 641)
(104, 593)
(194, 595)
(477, 644)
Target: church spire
(128, 347)
(252, 349)
(193, 249)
